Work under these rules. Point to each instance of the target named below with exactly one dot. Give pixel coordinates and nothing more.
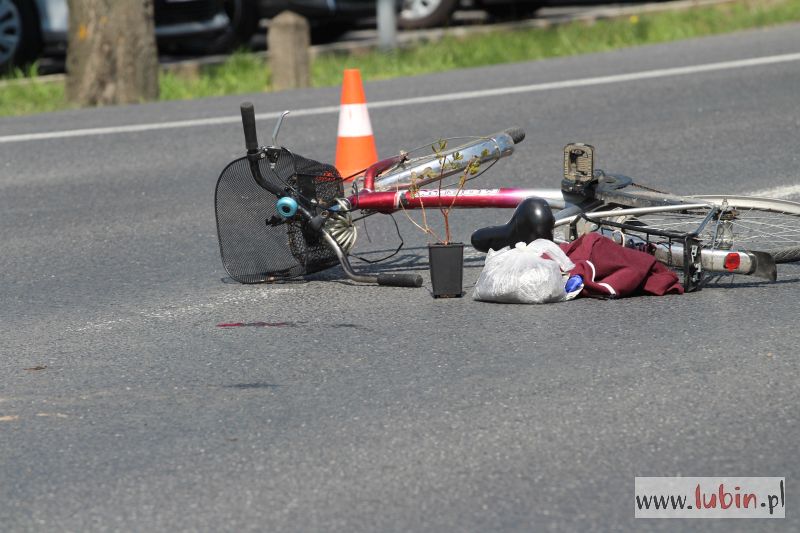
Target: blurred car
(412, 14)
(416, 14)
(30, 27)
(337, 16)
(328, 19)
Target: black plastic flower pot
(447, 269)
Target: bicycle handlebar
(516, 134)
(400, 280)
(253, 151)
(249, 124)
(315, 222)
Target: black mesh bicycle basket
(256, 244)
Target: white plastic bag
(522, 275)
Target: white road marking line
(466, 95)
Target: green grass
(241, 73)
(247, 73)
(569, 39)
(30, 96)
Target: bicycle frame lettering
(388, 202)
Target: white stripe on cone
(354, 121)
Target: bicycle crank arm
(749, 263)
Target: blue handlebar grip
(287, 207)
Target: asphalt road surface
(383, 409)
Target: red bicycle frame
(388, 202)
(391, 201)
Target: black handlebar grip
(400, 280)
(249, 124)
(517, 134)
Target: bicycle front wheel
(743, 223)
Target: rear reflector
(732, 261)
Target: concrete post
(387, 24)
(288, 40)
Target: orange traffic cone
(355, 147)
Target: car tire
(244, 24)
(20, 40)
(329, 32)
(513, 10)
(416, 14)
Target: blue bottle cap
(574, 283)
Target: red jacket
(612, 271)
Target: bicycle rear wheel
(744, 223)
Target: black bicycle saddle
(532, 219)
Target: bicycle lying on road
(281, 215)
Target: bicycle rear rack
(682, 251)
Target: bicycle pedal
(579, 163)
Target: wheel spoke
(750, 227)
